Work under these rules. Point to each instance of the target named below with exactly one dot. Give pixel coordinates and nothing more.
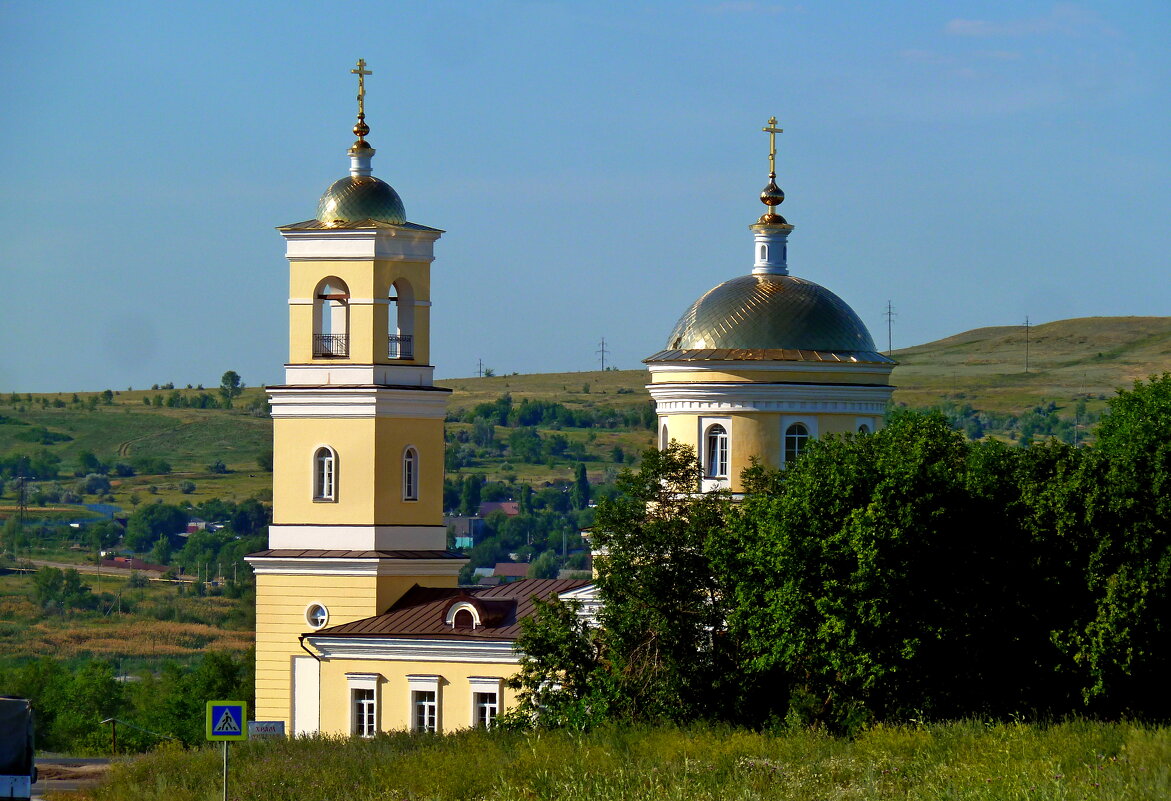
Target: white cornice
(357, 402)
(313, 566)
(704, 398)
(401, 375)
(357, 538)
(392, 244)
(411, 650)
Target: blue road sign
(227, 720)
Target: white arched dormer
(463, 615)
(410, 473)
(401, 334)
(325, 475)
(331, 319)
(716, 459)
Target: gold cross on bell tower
(772, 130)
(361, 129)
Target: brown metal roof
(511, 569)
(287, 553)
(421, 612)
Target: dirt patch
(71, 773)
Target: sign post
(226, 721)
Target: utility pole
(1026, 343)
(890, 315)
(602, 351)
(480, 368)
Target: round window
(316, 615)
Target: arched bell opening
(401, 336)
(331, 319)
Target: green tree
(581, 487)
(544, 566)
(230, 387)
(1122, 645)
(469, 500)
(560, 682)
(661, 601)
(152, 521)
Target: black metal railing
(401, 346)
(331, 345)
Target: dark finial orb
(772, 195)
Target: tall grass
(967, 760)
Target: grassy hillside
(986, 367)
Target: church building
(361, 626)
(764, 362)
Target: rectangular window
(363, 703)
(486, 709)
(426, 710)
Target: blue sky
(595, 165)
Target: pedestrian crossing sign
(227, 720)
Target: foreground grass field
(966, 760)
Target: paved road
(62, 774)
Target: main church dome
(770, 316)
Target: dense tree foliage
(903, 574)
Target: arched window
(796, 438)
(331, 319)
(401, 339)
(764, 252)
(863, 429)
(463, 619)
(716, 452)
(663, 441)
(325, 475)
(410, 474)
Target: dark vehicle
(17, 771)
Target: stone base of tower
(301, 591)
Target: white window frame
(419, 687)
(309, 619)
(363, 711)
(410, 473)
(321, 492)
(712, 480)
(482, 686)
(810, 424)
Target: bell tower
(357, 432)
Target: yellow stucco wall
(394, 695)
(756, 434)
(368, 467)
(368, 324)
(281, 602)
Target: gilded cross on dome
(772, 130)
(361, 129)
